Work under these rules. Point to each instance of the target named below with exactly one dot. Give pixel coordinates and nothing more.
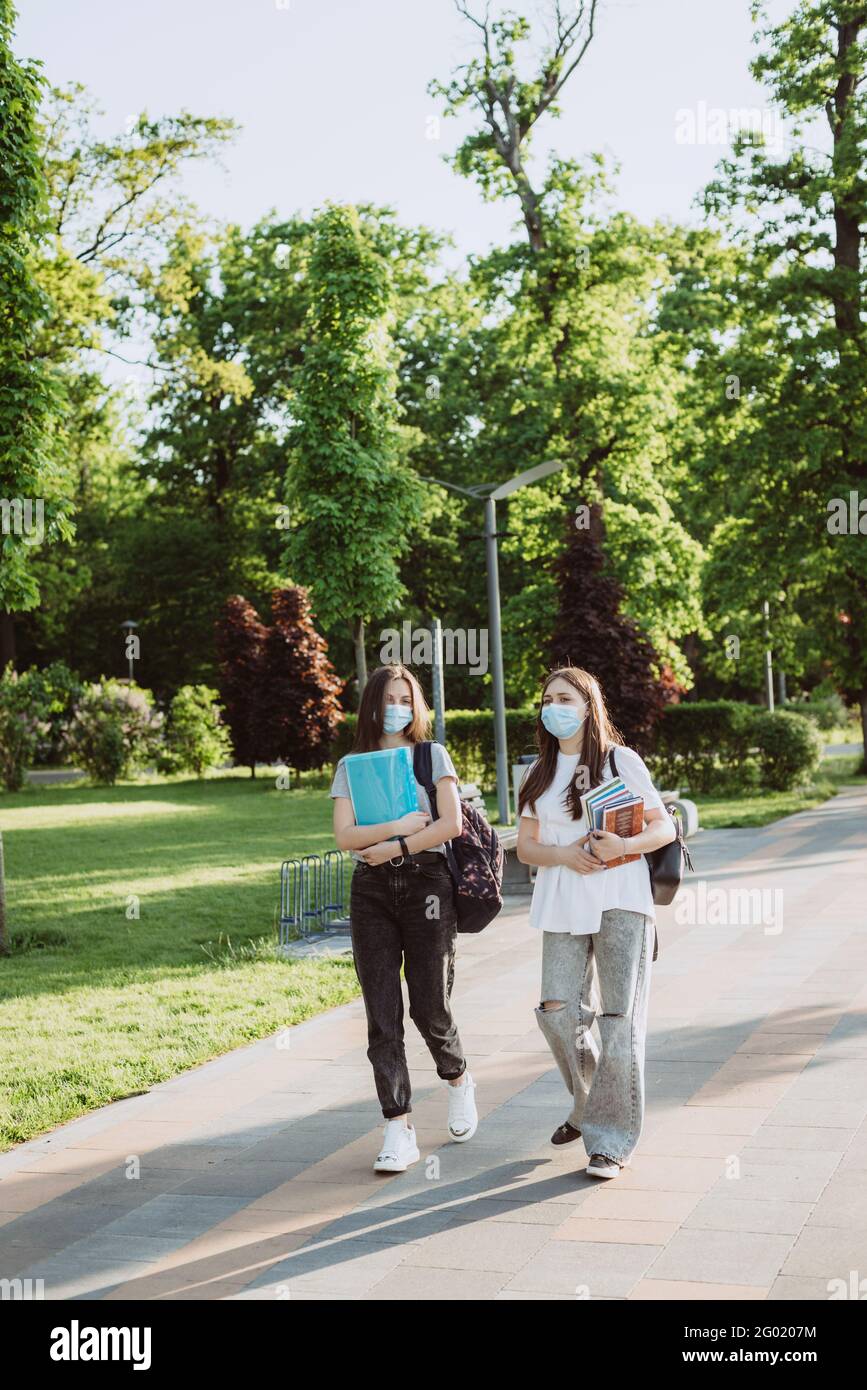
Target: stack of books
(613, 807)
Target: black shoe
(565, 1134)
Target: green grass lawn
(762, 807)
(95, 1006)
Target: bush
(114, 731)
(195, 736)
(50, 696)
(790, 748)
(707, 744)
(20, 731)
(826, 711)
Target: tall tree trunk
(7, 639)
(4, 940)
(360, 658)
(864, 727)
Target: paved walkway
(250, 1177)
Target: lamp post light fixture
(491, 494)
(130, 626)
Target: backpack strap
(422, 766)
(610, 756)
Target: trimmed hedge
(790, 746)
(705, 745)
(722, 745)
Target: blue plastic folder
(382, 785)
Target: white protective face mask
(561, 720)
(396, 717)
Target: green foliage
(790, 748)
(824, 705)
(20, 730)
(30, 471)
(705, 744)
(114, 731)
(721, 745)
(50, 696)
(783, 319)
(195, 737)
(350, 495)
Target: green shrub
(20, 731)
(790, 748)
(50, 696)
(114, 731)
(707, 744)
(827, 712)
(195, 736)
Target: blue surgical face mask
(396, 717)
(561, 720)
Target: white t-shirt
(566, 901)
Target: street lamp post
(491, 494)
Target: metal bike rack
(314, 896)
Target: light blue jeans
(607, 1084)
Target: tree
(296, 707)
(496, 155)
(562, 357)
(798, 350)
(109, 212)
(351, 496)
(591, 631)
(35, 501)
(240, 638)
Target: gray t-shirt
(442, 766)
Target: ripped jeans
(607, 1086)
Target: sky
(331, 97)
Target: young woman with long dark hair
(589, 913)
(402, 911)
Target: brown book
(625, 821)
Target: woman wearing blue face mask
(402, 911)
(590, 914)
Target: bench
(471, 793)
(517, 877)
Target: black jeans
(405, 913)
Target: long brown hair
(599, 734)
(371, 709)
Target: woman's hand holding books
(575, 857)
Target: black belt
(424, 856)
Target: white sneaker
(463, 1115)
(399, 1148)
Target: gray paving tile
(721, 1213)
(723, 1257)
(349, 1265)
(584, 1269)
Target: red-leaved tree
(240, 637)
(592, 631)
(296, 710)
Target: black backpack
(475, 857)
